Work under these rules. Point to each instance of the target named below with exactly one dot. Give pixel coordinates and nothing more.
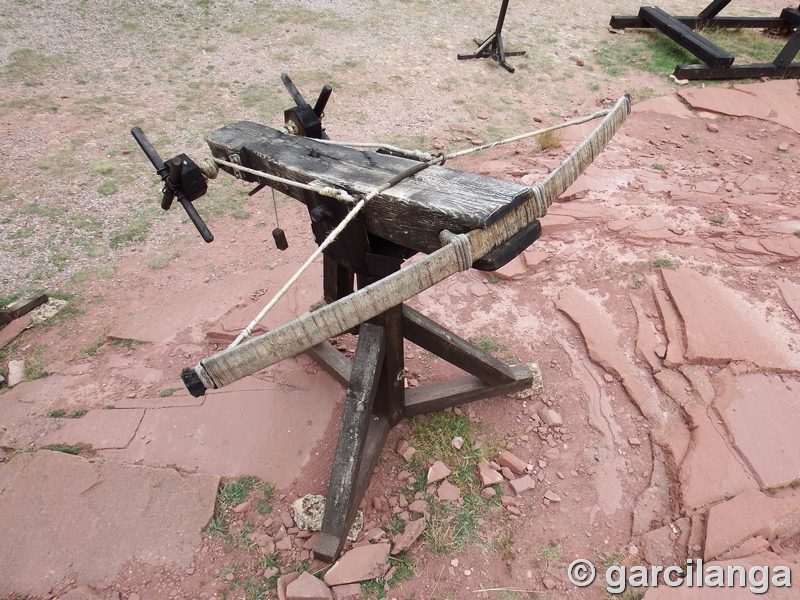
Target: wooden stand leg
(343, 498)
(390, 400)
(377, 400)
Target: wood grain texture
(411, 213)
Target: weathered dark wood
(341, 503)
(713, 9)
(410, 214)
(443, 395)
(751, 71)
(334, 362)
(390, 399)
(709, 53)
(337, 281)
(23, 306)
(792, 47)
(791, 15)
(328, 545)
(511, 249)
(636, 22)
(431, 336)
(349, 248)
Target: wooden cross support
(377, 399)
(717, 63)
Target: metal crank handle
(174, 187)
(292, 89)
(208, 237)
(150, 152)
(161, 168)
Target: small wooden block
(24, 305)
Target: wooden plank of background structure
(713, 9)
(341, 503)
(709, 53)
(751, 71)
(792, 47)
(636, 22)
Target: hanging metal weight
(281, 243)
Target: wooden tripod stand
(377, 399)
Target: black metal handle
(207, 236)
(171, 174)
(174, 187)
(293, 91)
(150, 152)
(324, 95)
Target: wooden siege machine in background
(717, 63)
(365, 259)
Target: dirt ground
(79, 218)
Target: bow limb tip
(193, 382)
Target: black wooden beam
(443, 395)
(337, 280)
(791, 15)
(790, 50)
(333, 361)
(390, 399)
(713, 9)
(431, 336)
(751, 71)
(341, 503)
(635, 22)
(709, 53)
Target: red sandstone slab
(791, 295)
(665, 105)
(13, 329)
(711, 471)
(102, 429)
(672, 325)
(297, 301)
(762, 413)
(726, 101)
(359, 564)
(602, 343)
(749, 514)
(253, 427)
(190, 309)
(721, 326)
(782, 99)
(646, 339)
(68, 517)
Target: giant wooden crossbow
(369, 212)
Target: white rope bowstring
(330, 192)
(434, 159)
(325, 243)
(343, 195)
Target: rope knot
(462, 246)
